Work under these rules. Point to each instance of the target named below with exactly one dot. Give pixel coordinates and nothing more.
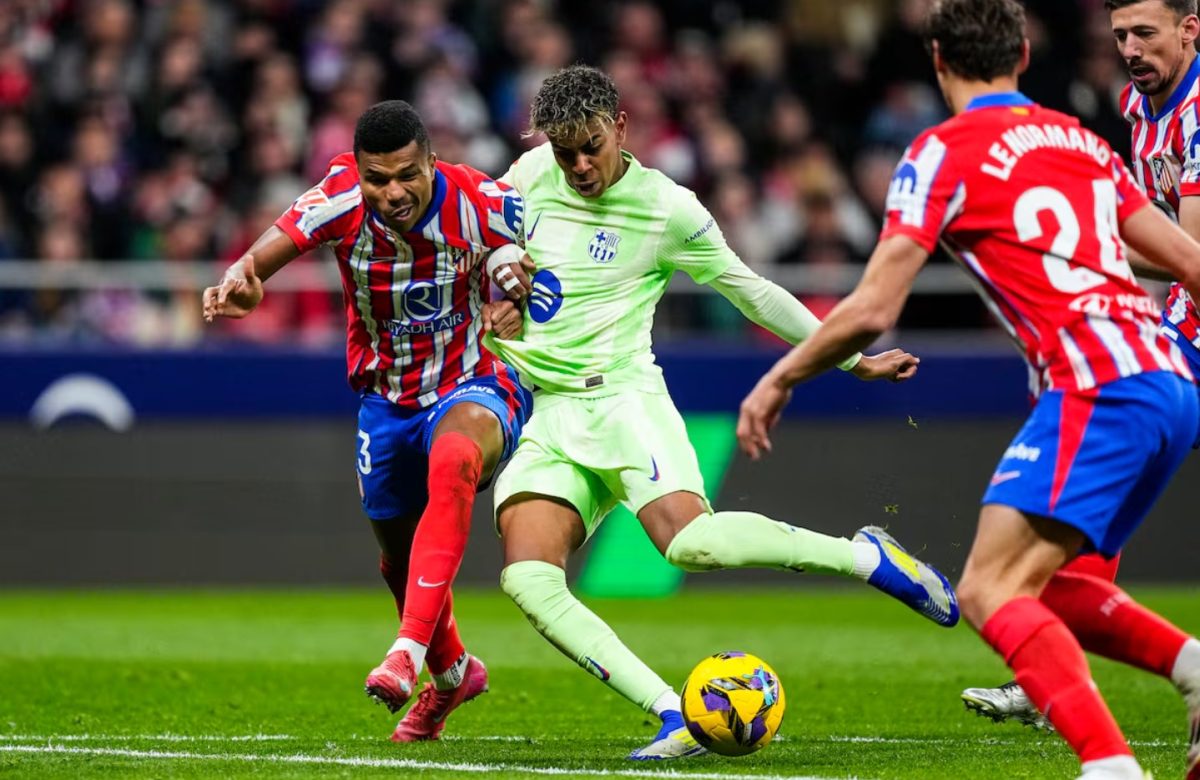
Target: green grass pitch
(268, 683)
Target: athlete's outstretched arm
(1189, 220)
(858, 320)
(240, 289)
(774, 308)
(1160, 241)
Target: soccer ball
(733, 703)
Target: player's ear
(619, 127)
(1023, 65)
(935, 51)
(1189, 29)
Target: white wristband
(505, 255)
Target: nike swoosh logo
(1004, 476)
(654, 477)
(421, 581)
(600, 671)
(529, 233)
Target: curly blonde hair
(570, 99)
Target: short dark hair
(388, 126)
(1181, 8)
(570, 99)
(978, 40)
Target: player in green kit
(605, 235)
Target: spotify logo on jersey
(546, 298)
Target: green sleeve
(692, 241)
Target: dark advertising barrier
(251, 479)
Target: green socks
(735, 540)
(540, 590)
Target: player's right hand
(239, 292)
(759, 413)
(504, 319)
(511, 270)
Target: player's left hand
(511, 270)
(895, 365)
(504, 319)
(758, 415)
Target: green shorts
(631, 448)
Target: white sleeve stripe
(314, 218)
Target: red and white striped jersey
(1166, 161)
(1030, 203)
(413, 300)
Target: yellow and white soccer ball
(733, 703)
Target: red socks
(1049, 664)
(1096, 565)
(1107, 622)
(455, 465)
(445, 647)
(395, 574)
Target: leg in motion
(458, 677)
(1013, 557)
(538, 533)
(694, 538)
(467, 442)
(1009, 701)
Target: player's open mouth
(401, 214)
(587, 187)
(1141, 73)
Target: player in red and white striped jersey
(1157, 39)
(438, 411)
(1035, 207)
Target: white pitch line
(388, 763)
(851, 739)
(147, 737)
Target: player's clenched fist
(511, 269)
(895, 365)
(238, 293)
(504, 319)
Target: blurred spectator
(143, 129)
(17, 176)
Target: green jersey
(602, 265)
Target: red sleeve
(327, 212)
(498, 205)
(925, 194)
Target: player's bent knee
(974, 600)
(695, 547)
(530, 583)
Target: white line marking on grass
(146, 737)
(387, 763)
(848, 738)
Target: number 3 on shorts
(364, 457)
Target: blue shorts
(1097, 460)
(1190, 353)
(393, 443)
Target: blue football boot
(903, 577)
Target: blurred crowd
(180, 129)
